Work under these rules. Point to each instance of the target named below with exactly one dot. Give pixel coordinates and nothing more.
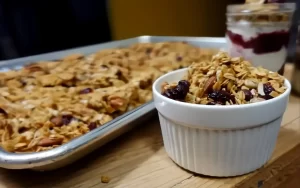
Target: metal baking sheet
(77, 148)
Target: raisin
(92, 126)
(66, 119)
(248, 94)
(86, 91)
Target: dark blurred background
(29, 27)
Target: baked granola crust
(49, 103)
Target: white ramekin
(218, 140)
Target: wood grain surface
(138, 159)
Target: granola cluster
(225, 81)
(49, 103)
(259, 13)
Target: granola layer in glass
(47, 104)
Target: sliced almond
(244, 87)
(229, 76)
(238, 68)
(209, 84)
(117, 102)
(274, 94)
(260, 89)
(241, 74)
(280, 90)
(20, 145)
(264, 80)
(211, 72)
(219, 75)
(241, 95)
(249, 83)
(256, 99)
(45, 142)
(261, 72)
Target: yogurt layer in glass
(260, 33)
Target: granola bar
(225, 81)
(49, 103)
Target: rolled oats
(49, 103)
(227, 81)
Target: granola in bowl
(212, 120)
(225, 80)
(49, 103)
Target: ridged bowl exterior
(219, 152)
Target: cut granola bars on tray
(47, 104)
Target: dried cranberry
(214, 95)
(148, 50)
(220, 96)
(179, 92)
(184, 83)
(104, 66)
(66, 119)
(22, 130)
(175, 92)
(268, 88)
(266, 97)
(2, 111)
(168, 93)
(224, 96)
(92, 126)
(179, 58)
(86, 91)
(248, 94)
